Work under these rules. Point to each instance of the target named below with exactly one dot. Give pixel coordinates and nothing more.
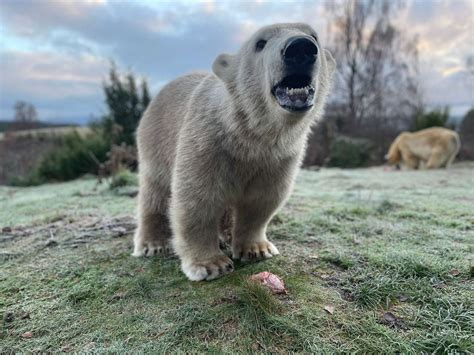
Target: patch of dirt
(62, 231)
(391, 320)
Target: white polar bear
(231, 140)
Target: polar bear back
(159, 128)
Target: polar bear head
(281, 70)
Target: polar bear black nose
(300, 51)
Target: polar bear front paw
(209, 269)
(151, 248)
(254, 251)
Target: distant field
(20, 151)
(390, 252)
(47, 131)
(12, 126)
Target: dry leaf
(454, 272)
(27, 335)
(389, 317)
(402, 298)
(66, 349)
(117, 296)
(272, 281)
(328, 308)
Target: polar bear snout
(300, 52)
(295, 92)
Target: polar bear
(229, 140)
(430, 148)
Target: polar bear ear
(223, 67)
(330, 62)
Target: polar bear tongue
(296, 99)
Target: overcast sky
(55, 53)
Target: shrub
(119, 158)
(346, 152)
(466, 133)
(435, 118)
(74, 157)
(123, 178)
(126, 102)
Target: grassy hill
(10, 125)
(390, 251)
(22, 150)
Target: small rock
(6, 229)
(27, 335)
(8, 317)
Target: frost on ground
(372, 261)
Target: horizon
(55, 54)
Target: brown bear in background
(429, 148)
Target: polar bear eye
(260, 45)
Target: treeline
(377, 92)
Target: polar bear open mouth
(295, 93)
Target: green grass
(390, 251)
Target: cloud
(73, 41)
(166, 40)
(445, 29)
(58, 84)
(65, 44)
(59, 50)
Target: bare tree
(470, 64)
(25, 112)
(377, 65)
(469, 67)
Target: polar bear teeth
(298, 91)
(293, 96)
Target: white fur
(211, 142)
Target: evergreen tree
(435, 118)
(145, 95)
(125, 104)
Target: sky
(56, 53)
